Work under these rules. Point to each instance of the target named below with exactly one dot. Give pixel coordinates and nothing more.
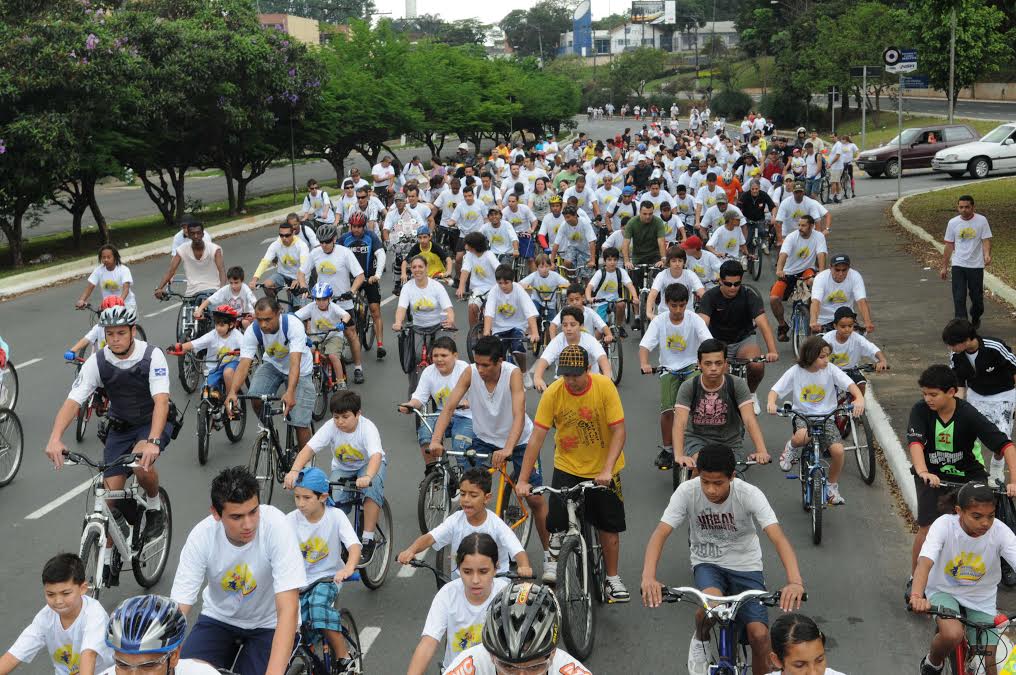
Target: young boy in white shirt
(607, 285)
(217, 345)
(508, 314)
(322, 319)
(592, 322)
(71, 628)
(502, 237)
(478, 268)
(235, 293)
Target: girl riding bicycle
(798, 647)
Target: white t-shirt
(352, 451)
(288, 259)
(550, 225)
(678, 344)
(722, 534)
(592, 322)
(337, 268)
(456, 527)
(727, 241)
(832, 295)
(522, 219)
(836, 157)
(111, 282)
(452, 616)
(476, 661)
(966, 236)
(849, 354)
(242, 303)
(609, 289)
(386, 174)
(609, 197)
(712, 218)
(802, 253)
(242, 581)
(481, 269)
(966, 567)
(585, 199)
(500, 238)
(706, 267)
(665, 278)
(277, 347)
(812, 393)
(202, 274)
(88, 379)
(319, 205)
(217, 347)
(96, 337)
(586, 341)
(65, 646)
(492, 410)
(321, 542)
(322, 322)
(470, 217)
(509, 310)
(790, 212)
(434, 385)
(615, 240)
(577, 236)
(404, 224)
(706, 197)
(428, 304)
(183, 667)
(552, 282)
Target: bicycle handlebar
(128, 460)
(710, 602)
(786, 411)
(946, 613)
(569, 492)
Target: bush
(731, 104)
(786, 111)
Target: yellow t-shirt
(584, 425)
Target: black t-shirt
(949, 447)
(754, 208)
(731, 320)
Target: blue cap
(628, 190)
(423, 229)
(314, 479)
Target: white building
(634, 35)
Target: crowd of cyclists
(559, 250)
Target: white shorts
(998, 408)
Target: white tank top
(492, 411)
(202, 275)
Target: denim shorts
(278, 278)
(535, 477)
(267, 380)
(511, 339)
(577, 256)
(215, 377)
(374, 492)
(731, 582)
(461, 432)
(811, 185)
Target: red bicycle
(972, 659)
(324, 376)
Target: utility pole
(952, 63)
(864, 105)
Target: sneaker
(789, 456)
(755, 404)
(345, 667)
(381, 352)
(765, 247)
(622, 332)
(110, 578)
(782, 333)
(996, 473)
(358, 375)
(549, 572)
(833, 495)
(616, 591)
(928, 669)
(698, 659)
(155, 523)
(342, 386)
(664, 460)
(367, 552)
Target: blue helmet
(641, 147)
(628, 190)
(146, 624)
(321, 290)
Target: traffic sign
(916, 82)
(899, 60)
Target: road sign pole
(834, 111)
(864, 106)
(899, 140)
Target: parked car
(919, 146)
(995, 152)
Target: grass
(933, 210)
(886, 129)
(133, 232)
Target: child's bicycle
(323, 375)
(684, 374)
(726, 658)
(270, 460)
(415, 358)
(800, 315)
(311, 653)
(971, 659)
(547, 305)
(856, 432)
(615, 354)
(373, 568)
(97, 405)
(211, 411)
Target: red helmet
(227, 312)
(357, 219)
(111, 301)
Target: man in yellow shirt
(588, 444)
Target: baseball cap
(423, 229)
(314, 479)
(692, 242)
(799, 186)
(721, 198)
(628, 190)
(574, 360)
(843, 313)
(840, 259)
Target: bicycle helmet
(326, 233)
(357, 219)
(111, 301)
(321, 290)
(556, 199)
(522, 623)
(224, 313)
(146, 624)
(118, 316)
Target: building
(297, 27)
(634, 35)
(410, 9)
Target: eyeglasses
(513, 669)
(285, 236)
(363, 197)
(730, 284)
(146, 667)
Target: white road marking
(367, 637)
(59, 501)
(408, 570)
(388, 299)
(20, 366)
(170, 308)
(268, 240)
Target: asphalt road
(854, 578)
(987, 110)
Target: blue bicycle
(373, 568)
(814, 467)
(721, 611)
(313, 656)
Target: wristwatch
(156, 442)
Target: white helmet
(728, 175)
(118, 316)
(463, 146)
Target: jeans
(968, 280)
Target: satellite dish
(581, 10)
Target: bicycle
(813, 475)
(442, 578)
(210, 410)
(413, 365)
(754, 245)
(374, 569)
(97, 404)
(648, 274)
(323, 375)
(967, 659)
(800, 311)
(722, 611)
(685, 474)
(684, 374)
(12, 445)
(400, 249)
(527, 246)
(580, 274)
(581, 572)
(312, 654)
(122, 526)
(847, 181)
(365, 329)
(476, 330)
(548, 303)
(187, 329)
(615, 355)
(93, 319)
(270, 461)
(858, 431)
(8, 386)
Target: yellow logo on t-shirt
(731, 243)
(240, 580)
(472, 215)
(682, 208)
(110, 285)
(812, 393)
(314, 550)
(222, 354)
(276, 350)
(837, 296)
(804, 252)
(496, 238)
(67, 657)
(287, 259)
(466, 637)
(486, 199)
(326, 267)
(347, 453)
(676, 343)
(323, 324)
(424, 304)
(515, 220)
(967, 233)
(966, 568)
(699, 270)
(609, 286)
(797, 213)
(575, 236)
(506, 310)
(442, 394)
(838, 358)
(479, 272)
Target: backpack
(728, 387)
(603, 278)
(261, 337)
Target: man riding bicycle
(202, 265)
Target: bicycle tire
(190, 373)
(817, 506)
(597, 565)
(799, 328)
(181, 334)
(81, 419)
(320, 393)
(433, 503)
(204, 434)
(234, 427)
(681, 474)
(262, 466)
(139, 567)
(300, 663)
(406, 356)
(9, 388)
(643, 298)
(512, 511)
(615, 355)
(578, 622)
(12, 445)
(352, 636)
(373, 574)
(865, 457)
(472, 337)
(90, 555)
(365, 324)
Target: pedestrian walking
(968, 249)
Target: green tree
(610, 22)
(537, 31)
(327, 11)
(630, 71)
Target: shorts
(998, 412)
(372, 292)
(832, 433)
(478, 298)
(693, 445)
(928, 498)
(119, 443)
(603, 509)
(731, 582)
(460, 245)
(215, 377)
(317, 607)
(601, 309)
(267, 380)
(330, 345)
(374, 492)
(527, 247)
(987, 638)
(512, 341)
(734, 347)
(576, 256)
(670, 383)
(460, 431)
(278, 279)
(812, 185)
(485, 448)
(220, 644)
(835, 175)
(784, 288)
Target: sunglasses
(146, 667)
(285, 236)
(730, 284)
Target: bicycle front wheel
(352, 637)
(8, 387)
(90, 553)
(374, 572)
(320, 394)
(681, 474)
(864, 448)
(798, 327)
(472, 337)
(12, 445)
(817, 506)
(615, 355)
(574, 579)
(300, 663)
(204, 417)
(149, 563)
(235, 426)
(81, 423)
(262, 465)
(433, 504)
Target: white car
(996, 151)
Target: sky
(487, 12)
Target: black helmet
(522, 623)
(326, 232)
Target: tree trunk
(160, 194)
(339, 166)
(177, 175)
(12, 229)
(88, 188)
(241, 195)
(230, 192)
(440, 145)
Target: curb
(892, 449)
(59, 274)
